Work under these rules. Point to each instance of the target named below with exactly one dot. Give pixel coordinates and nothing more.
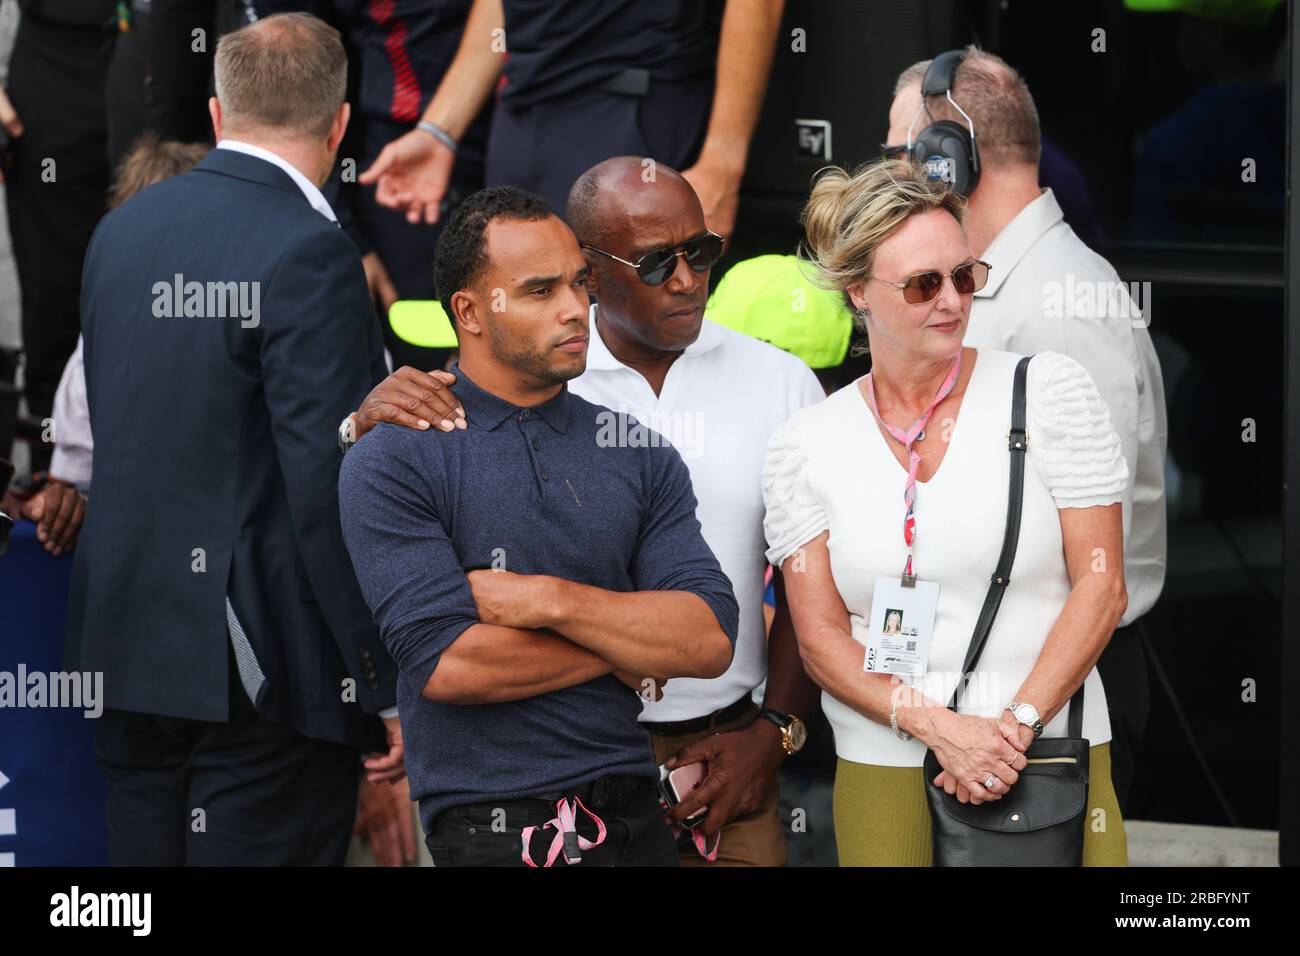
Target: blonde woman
(917, 452)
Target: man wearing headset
(976, 127)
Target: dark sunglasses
(654, 268)
(925, 286)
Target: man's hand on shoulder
(413, 399)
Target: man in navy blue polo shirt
(532, 571)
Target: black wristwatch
(794, 732)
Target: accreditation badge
(901, 626)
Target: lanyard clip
(572, 848)
(909, 580)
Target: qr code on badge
(911, 645)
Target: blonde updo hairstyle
(849, 215)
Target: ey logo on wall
(812, 139)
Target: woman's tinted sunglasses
(925, 286)
(654, 268)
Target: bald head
(625, 209)
(609, 197)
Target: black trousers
(127, 88)
(247, 792)
(545, 147)
(1123, 671)
(491, 833)
(55, 188)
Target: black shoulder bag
(1040, 822)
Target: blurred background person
(59, 507)
(401, 50)
(680, 81)
(56, 178)
(160, 76)
(1229, 52)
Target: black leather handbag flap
(1053, 789)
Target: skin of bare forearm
(490, 664)
(659, 634)
(1075, 643)
(834, 660)
(473, 73)
(789, 688)
(746, 45)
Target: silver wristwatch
(347, 433)
(1027, 714)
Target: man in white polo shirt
(717, 395)
(1049, 291)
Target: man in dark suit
(228, 329)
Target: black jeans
(491, 833)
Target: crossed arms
(536, 634)
(492, 636)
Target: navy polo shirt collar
(487, 411)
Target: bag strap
(1017, 445)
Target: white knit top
(829, 467)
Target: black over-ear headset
(945, 149)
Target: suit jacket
(216, 459)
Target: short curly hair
(461, 253)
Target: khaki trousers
(754, 839)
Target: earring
(863, 314)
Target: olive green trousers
(882, 817)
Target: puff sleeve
(1071, 440)
(794, 515)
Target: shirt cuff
(388, 712)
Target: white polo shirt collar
(601, 358)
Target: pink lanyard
(567, 839)
(702, 847)
(908, 437)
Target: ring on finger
(988, 784)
